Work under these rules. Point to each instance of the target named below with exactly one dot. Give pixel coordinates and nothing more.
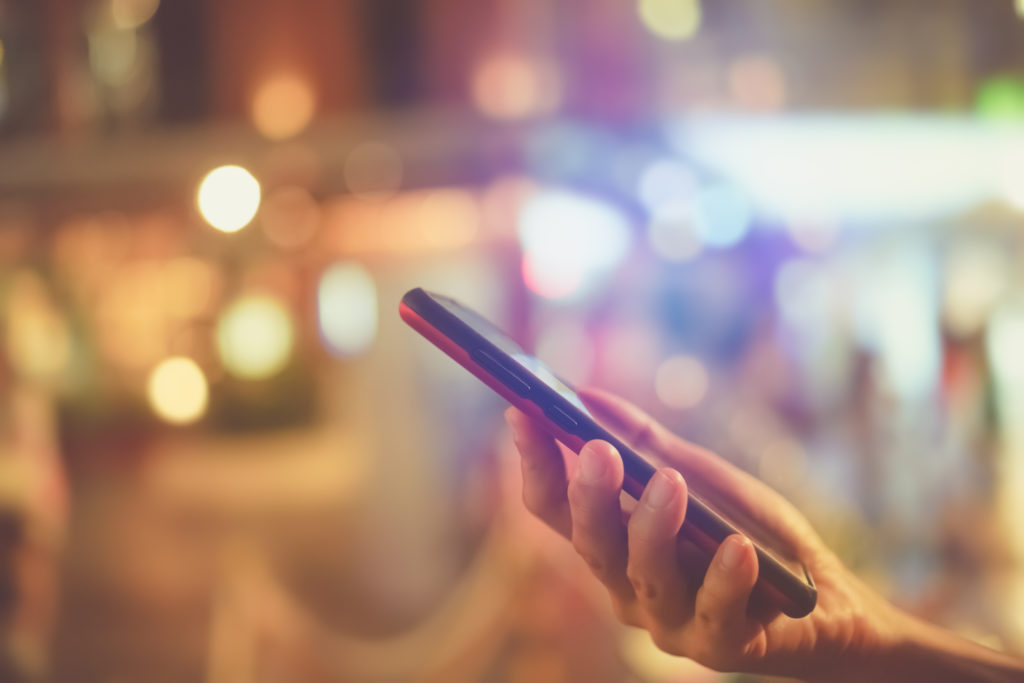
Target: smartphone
(491, 355)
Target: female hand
(700, 609)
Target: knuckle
(643, 585)
(646, 437)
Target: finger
(720, 612)
(654, 570)
(545, 483)
(598, 530)
(638, 429)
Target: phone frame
(791, 594)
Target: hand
(701, 609)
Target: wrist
(908, 648)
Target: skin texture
(702, 609)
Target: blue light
(722, 215)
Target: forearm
(924, 652)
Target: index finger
(545, 481)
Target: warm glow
(38, 339)
(671, 19)
(508, 86)
(347, 307)
(290, 216)
(373, 170)
(283, 106)
(681, 382)
(177, 390)
(130, 14)
(228, 198)
(255, 337)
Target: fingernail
(733, 552)
(592, 465)
(662, 490)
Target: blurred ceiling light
(347, 308)
(855, 169)
(977, 275)
(177, 390)
(290, 216)
(757, 83)
(373, 170)
(671, 19)
(38, 339)
(665, 181)
(681, 382)
(510, 86)
(130, 14)
(283, 106)
(672, 234)
(255, 337)
(570, 241)
(722, 215)
(228, 198)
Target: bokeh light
(1000, 98)
(228, 198)
(347, 308)
(722, 215)
(511, 86)
(569, 240)
(290, 216)
(681, 382)
(283, 106)
(665, 181)
(130, 14)
(671, 19)
(37, 335)
(373, 170)
(255, 337)
(177, 390)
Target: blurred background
(791, 231)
